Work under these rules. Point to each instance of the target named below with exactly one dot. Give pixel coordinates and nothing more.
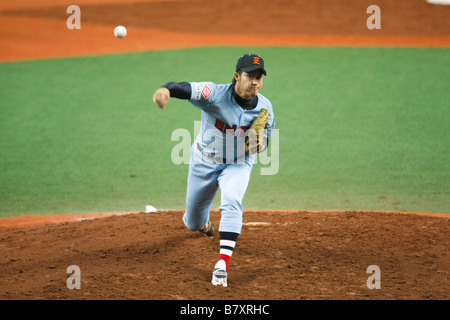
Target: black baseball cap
(250, 62)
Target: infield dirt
(37, 30)
(280, 255)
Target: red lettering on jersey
(244, 129)
(223, 127)
(233, 128)
(220, 125)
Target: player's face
(248, 84)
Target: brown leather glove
(255, 140)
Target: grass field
(359, 128)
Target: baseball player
(236, 121)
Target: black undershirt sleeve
(180, 90)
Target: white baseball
(120, 32)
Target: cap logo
(256, 60)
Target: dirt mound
(279, 256)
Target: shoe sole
(219, 278)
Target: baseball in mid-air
(120, 32)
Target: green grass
(360, 128)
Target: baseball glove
(254, 141)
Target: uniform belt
(209, 155)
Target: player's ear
(236, 76)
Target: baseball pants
(204, 178)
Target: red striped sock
(225, 258)
(227, 244)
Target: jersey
(224, 122)
(218, 157)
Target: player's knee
(231, 210)
(232, 203)
(193, 225)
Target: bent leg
(201, 189)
